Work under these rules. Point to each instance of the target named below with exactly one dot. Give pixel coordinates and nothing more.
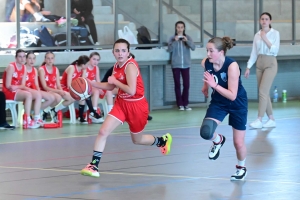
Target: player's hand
(184, 38)
(13, 88)
(247, 73)
(82, 19)
(111, 80)
(209, 79)
(76, 11)
(176, 38)
(205, 91)
(61, 92)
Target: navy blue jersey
(221, 78)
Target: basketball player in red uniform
(14, 88)
(130, 106)
(72, 72)
(32, 82)
(49, 81)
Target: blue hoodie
(180, 52)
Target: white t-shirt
(260, 47)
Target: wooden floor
(45, 163)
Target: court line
(152, 175)
(146, 131)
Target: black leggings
(2, 108)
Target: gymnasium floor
(45, 163)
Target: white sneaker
(270, 124)
(240, 174)
(32, 124)
(96, 120)
(187, 108)
(181, 108)
(256, 124)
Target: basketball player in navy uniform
(222, 74)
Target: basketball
(80, 89)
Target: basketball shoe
(90, 170)
(214, 151)
(166, 147)
(240, 174)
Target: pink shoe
(90, 170)
(32, 124)
(40, 122)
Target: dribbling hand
(111, 80)
(209, 79)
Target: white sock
(217, 139)
(59, 107)
(37, 16)
(241, 162)
(110, 107)
(95, 109)
(36, 117)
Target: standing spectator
(3, 122)
(179, 45)
(264, 51)
(83, 11)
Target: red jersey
(16, 77)
(30, 79)
(119, 73)
(64, 79)
(50, 78)
(91, 73)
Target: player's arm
(58, 80)
(97, 74)
(131, 77)
(36, 82)
(233, 82)
(103, 86)
(205, 86)
(83, 73)
(70, 72)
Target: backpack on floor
(143, 37)
(82, 34)
(60, 39)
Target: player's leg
(92, 103)
(111, 122)
(81, 106)
(37, 102)
(214, 116)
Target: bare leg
(49, 99)
(22, 95)
(142, 139)
(239, 144)
(95, 97)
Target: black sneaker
(82, 121)
(240, 174)
(53, 114)
(149, 118)
(44, 116)
(7, 126)
(214, 151)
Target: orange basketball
(80, 89)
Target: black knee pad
(208, 128)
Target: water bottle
(275, 95)
(284, 96)
(60, 119)
(25, 121)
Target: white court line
(154, 175)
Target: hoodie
(180, 52)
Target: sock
(217, 140)
(96, 158)
(241, 162)
(91, 109)
(37, 117)
(154, 141)
(160, 142)
(81, 110)
(37, 16)
(59, 107)
(110, 107)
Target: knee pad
(208, 128)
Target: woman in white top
(264, 51)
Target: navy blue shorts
(237, 116)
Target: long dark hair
(48, 52)
(82, 60)
(94, 54)
(30, 52)
(266, 13)
(180, 22)
(128, 46)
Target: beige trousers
(266, 70)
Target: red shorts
(101, 96)
(9, 95)
(135, 113)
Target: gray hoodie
(180, 52)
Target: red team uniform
(132, 109)
(15, 80)
(30, 79)
(91, 75)
(64, 79)
(50, 78)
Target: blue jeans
(181, 99)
